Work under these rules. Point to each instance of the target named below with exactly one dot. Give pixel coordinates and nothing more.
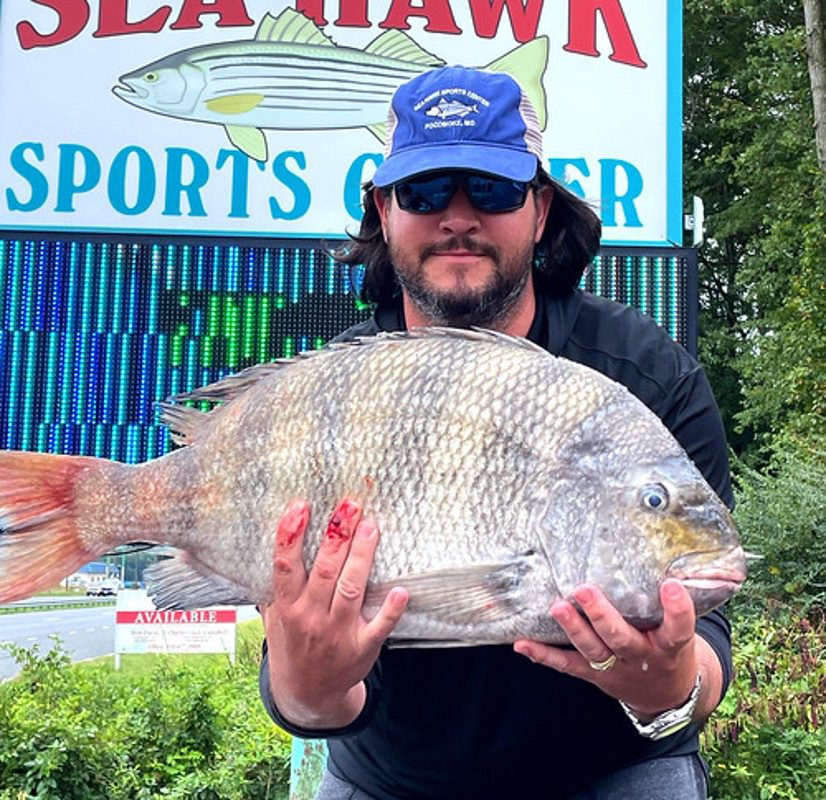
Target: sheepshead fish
(292, 76)
(500, 476)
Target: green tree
(750, 154)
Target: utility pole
(816, 57)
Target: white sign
(141, 628)
(263, 118)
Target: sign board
(141, 628)
(263, 118)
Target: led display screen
(94, 332)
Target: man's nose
(460, 217)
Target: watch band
(669, 722)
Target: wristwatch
(668, 722)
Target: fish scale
(499, 475)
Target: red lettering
(174, 617)
(72, 18)
(112, 20)
(487, 14)
(582, 31)
(437, 12)
(313, 9)
(231, 13)
(353, 14)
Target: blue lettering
(240, 179)
(146, 181)
(610, 198)
(175, 186)
(66, 186)
(300, 190)
(37, 180)
(559, 168)
(353, 182)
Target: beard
(464, 306)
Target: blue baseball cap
(460, 118)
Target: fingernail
(294, 519)
(523, 651)
(348, 509)
(342, 515)
(672, 590)
(560, 612)
(584, 594)
(366, 529)
(398, 595)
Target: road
(85, 632)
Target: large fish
(500, 476)
(292, 76)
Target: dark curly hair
(567, 246)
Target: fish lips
(130, 92)
(710, 578)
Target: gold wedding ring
(603, 666)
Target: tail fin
(39, 540)
(526, 64)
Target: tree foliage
(750, 155)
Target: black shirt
(483, 721)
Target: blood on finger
(292, 525)
(338, 529)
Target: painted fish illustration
(292, 76)
(500, 476)
(444, 109)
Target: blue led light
(94, 334)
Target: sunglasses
(425, 194)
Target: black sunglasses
(425, 194)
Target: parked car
(104, 589)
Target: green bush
(781, 513)
(767, 739)
(188, 728)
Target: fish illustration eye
(151, 77)
(654, 497)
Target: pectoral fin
(235, 103)
(250, 141)
(462, 595)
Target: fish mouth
(130, 92)
(710, 577)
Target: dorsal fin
(379, 131)
(397, 44)
(186, 422)
(526, 64)
(292, 26)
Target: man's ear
(544, 200)
(382, 201)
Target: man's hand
(320, 646)
(654, 670)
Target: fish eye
(151, 77)
(655, 497)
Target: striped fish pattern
(292, 76)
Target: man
(463, 227)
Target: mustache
(464, 243)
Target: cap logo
(451, 108)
